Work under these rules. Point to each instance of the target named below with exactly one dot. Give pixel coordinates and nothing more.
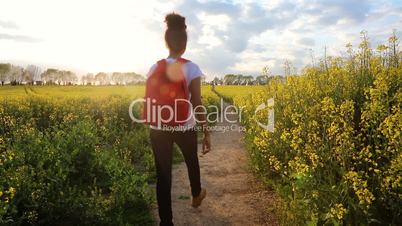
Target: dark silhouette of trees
(4, 71)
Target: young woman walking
(175, 82)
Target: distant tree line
(34, 75)
(262, 79)
(16, 75)
(117, 78)
(388, 54)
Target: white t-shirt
(190, 71)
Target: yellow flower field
(72, 155)
(335, 156)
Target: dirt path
(233, 195)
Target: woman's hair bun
(175, 22)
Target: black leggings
(162, 146)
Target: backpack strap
(182, 60)
(160, 66)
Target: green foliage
(72, 156)
(73, 161)
(335, 157)
(4, 70)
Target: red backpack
(162, 94)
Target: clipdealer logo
(216, 114)
(270, 124)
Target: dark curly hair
(176, 34)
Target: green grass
(71, 91)
(79, 91)
(231, 92)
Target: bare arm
(195, 90)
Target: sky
(224, 36)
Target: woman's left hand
(206, 144)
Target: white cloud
(224, 36)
